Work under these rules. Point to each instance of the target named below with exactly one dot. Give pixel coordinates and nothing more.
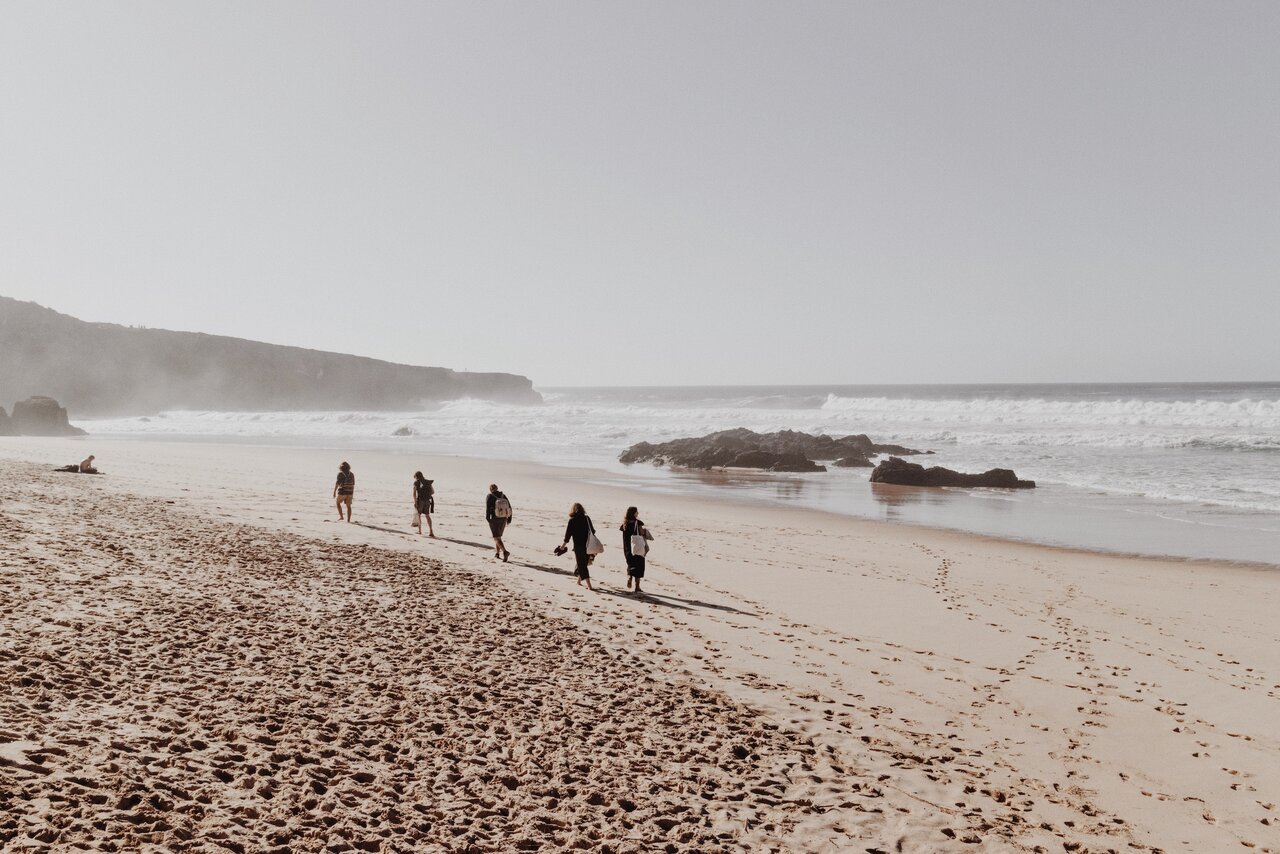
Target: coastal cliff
(106, 369)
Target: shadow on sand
(655, 598)
(381, 528)
(486, 546)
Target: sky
(607, 193)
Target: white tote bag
(639, 543)
(594, 546)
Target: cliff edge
(106, 369)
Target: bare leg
(431, 531)
(339, 503)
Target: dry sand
(197, 657)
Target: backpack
(501, 507)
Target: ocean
(1188, 470)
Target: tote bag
(594, 546)
(639, 543)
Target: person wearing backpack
(424, 501)
(344, 488)
(497, 512)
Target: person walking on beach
(497, 512)
(424, 501)
(634, 549)
(578, 529)
(344, 488)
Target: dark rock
(42, 416)
(637, 453)
(6, 426)
(903, 473)
(405, 431)
(786, 450)
(774, 462)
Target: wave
(1211, 426)
(1128, 412)
(1092, 439)
(1183, 451)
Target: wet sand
(197, 657)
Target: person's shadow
(654, 598)
(472, 544)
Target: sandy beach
(198, 657)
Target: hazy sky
(654, 193)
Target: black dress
(635, 563)
(577, 530)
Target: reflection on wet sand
(1051, 514)
(788, 487)
(894, 497)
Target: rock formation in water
(41, 416)
(900, 472)
(6, 426)
(105, 369)
(786, 450)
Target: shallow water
(1183, 470)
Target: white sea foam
(1216, 450)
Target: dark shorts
(583, 570)
(635, 566)
(497, 526)
(424, 506)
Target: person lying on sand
(85, 466)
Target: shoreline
(1013, 694)
(679, 482)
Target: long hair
(632, 512)
(577, 510)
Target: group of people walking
(579, 531)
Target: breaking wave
(1218, 448)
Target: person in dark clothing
(344, 489)
(632, 526)
(578, 529)
(424, 502)
(497, 512)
